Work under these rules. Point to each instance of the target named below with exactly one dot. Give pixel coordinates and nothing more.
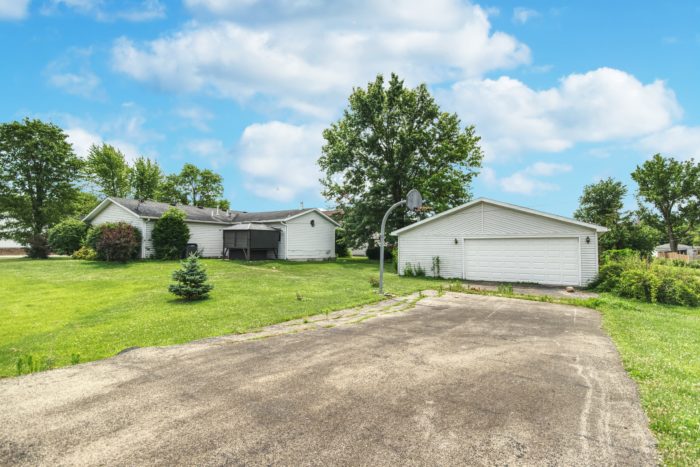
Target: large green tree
(146, 178)
(669, 195)
(389, 140)
(602, 203)
(202, 187)
(39, 173)
(107, 168)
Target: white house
(489, 240)
(304, 234)
(693, 252)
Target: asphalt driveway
(456, 380)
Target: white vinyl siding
(208, 237)
(304, 242)
(445, 238)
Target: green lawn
(58, 308)
(660, 348)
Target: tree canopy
(146, 177)
(669, 195)
(195, 186)
(107, 168)
(38, 175)
(389, 140)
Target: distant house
(10, 247)
(297, 234)
(693, 252)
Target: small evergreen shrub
(170, 235)
(85, 253)
(66, 237)
(118, 241)
(191, 280)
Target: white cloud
(598, 106)
(101, 10)
(82, 140)
(206, 147)
(681, 142)
(197, 117)
(523, 15)
(279, 159)
(310, 61)
(14, 9)
(525, 181)
(547, 169)
(73, 74)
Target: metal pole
(381, 245)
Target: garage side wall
(444, 238)
(305, 242)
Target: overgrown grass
(53, 310)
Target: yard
(61, 311)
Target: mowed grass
(58, 308)
(660, 349)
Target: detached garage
(488, 240)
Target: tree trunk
(672, 242)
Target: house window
(313, 223)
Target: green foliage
(618, 255)
(107, 168)
(374, 282)
(341, 244)
(191, 280)
(145, 179)
(505, 289)
(118, 241)
(436, 266)
(169, 190)
(67, 236)
(630, 276)
(38, 177)
(395, 259)
(195, 186)
(372, 252)
(601, 203)
(391, 139)
(410, 270)
(83, 204)
(170, 234)
(85, 253)
(28, 364)
(672, 189)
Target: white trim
(502, 237)
(597, 228)
(316, 210)
(580, 266)
(464, 263)
(100, 207)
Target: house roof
(667, 247)
(250, 226)
(514, 207)
(154, 210)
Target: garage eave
(596, 228)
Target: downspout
(286, 241)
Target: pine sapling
(191, 280)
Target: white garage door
(540, 260)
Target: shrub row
(630, 276)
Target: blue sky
(562, 93)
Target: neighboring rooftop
(667, 247)
(154, 210)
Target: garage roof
(514, 207)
